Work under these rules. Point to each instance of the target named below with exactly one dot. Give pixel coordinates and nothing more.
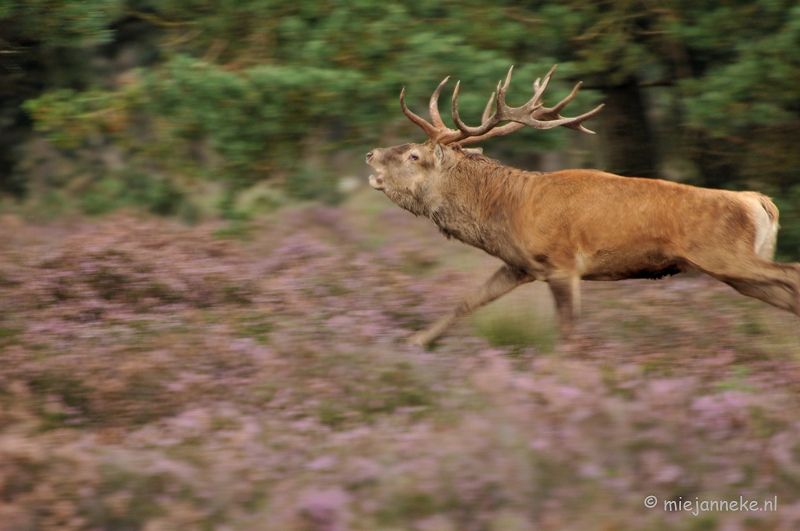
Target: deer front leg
(566, 292)
(501, 282)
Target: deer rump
(574, 225)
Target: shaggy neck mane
(492, 188)
(477, 200)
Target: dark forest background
(187, 106)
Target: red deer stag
(574, 225)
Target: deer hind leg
(566, 292)
(777, 296)
(774, 283)
(501, 282)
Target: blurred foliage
(271, 105)
(254, 91)
(789, 240)
(133, 188)
(59, 23)
(72, 117)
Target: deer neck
(475, 204)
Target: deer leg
(771, 282)
(772, 294)
(501, 282)
(566, 292)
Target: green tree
(269, 87)
(41, 44)
(268, 84)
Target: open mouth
(376, 181)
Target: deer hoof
(418, 339)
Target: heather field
(253, 376)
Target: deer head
(408, 174)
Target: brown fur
(576, 225)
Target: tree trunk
(629, 145)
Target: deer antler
(533, 114)
(437, 132)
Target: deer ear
(438, 154)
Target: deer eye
(413, 156)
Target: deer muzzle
(376, 181)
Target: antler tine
(487, 111)
(563, 103)
(506, 84)
(539, 89)
(430, 130)
(485, 126)
(433, 106)
(576, 124)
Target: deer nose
(369, 155)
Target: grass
(519, 321)
(156, 376)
